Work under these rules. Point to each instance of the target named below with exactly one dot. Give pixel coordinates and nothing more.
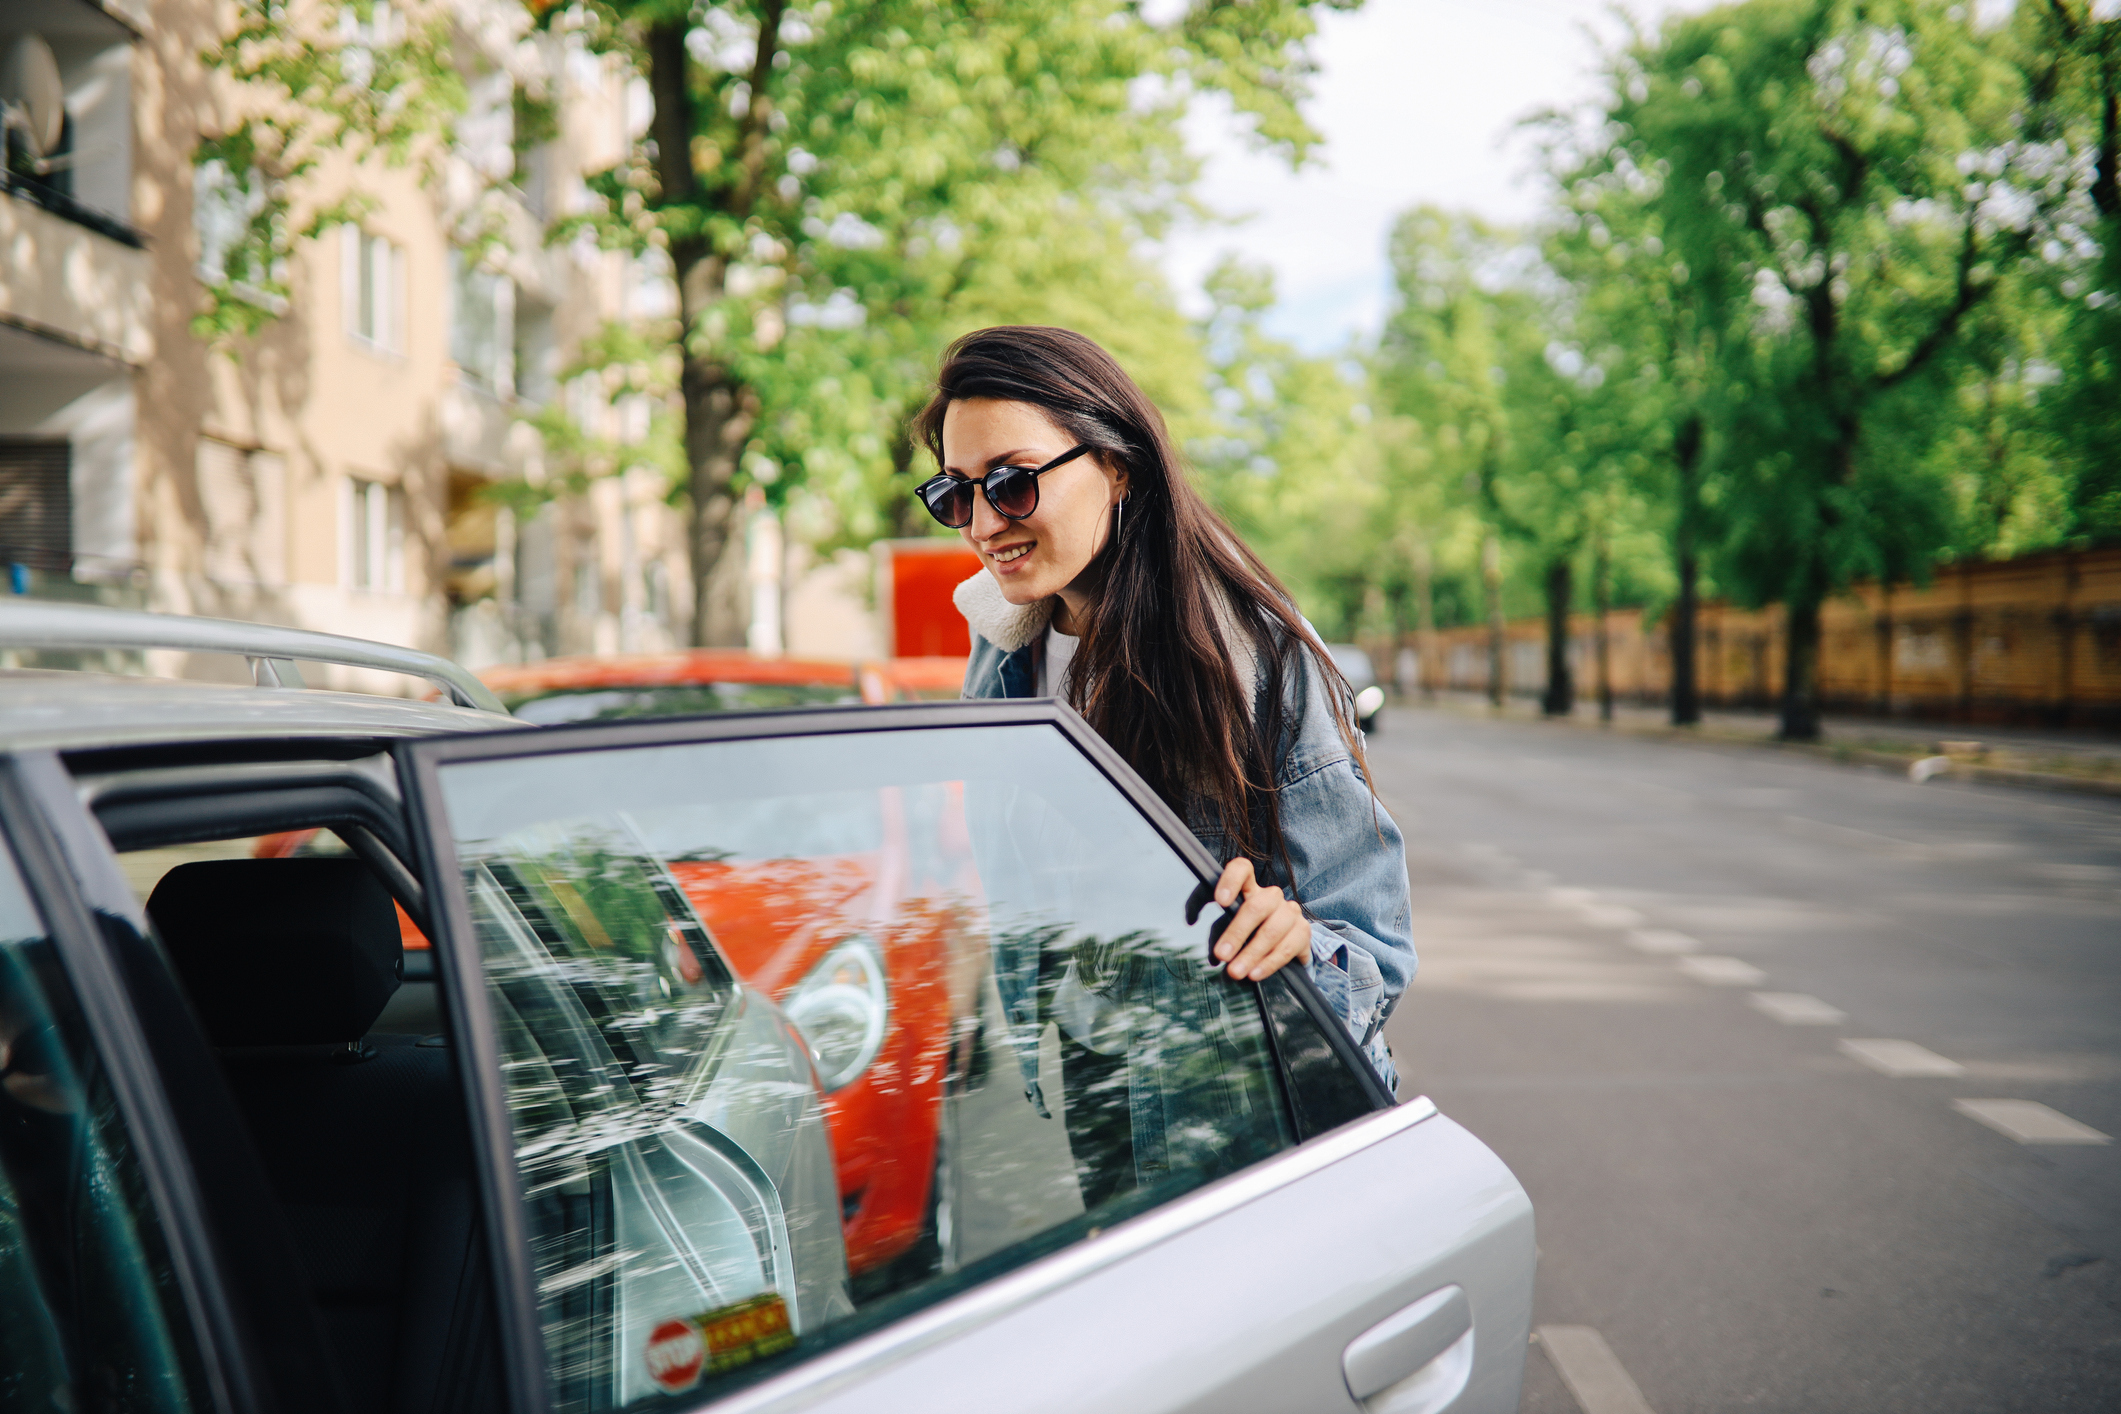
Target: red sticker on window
(676, 1355)
(680, 1351)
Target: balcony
(72, 267)
(73, 282)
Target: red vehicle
(913, 680)
(676, 684)
(915, 581)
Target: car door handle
(1414, 1362)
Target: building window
(481, 323)
(36, 504)
(372, 290)
(243, 494)
(537, 353)
(588, 582)
(375, 537)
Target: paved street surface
(1808, 1069)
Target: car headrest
(281, 952)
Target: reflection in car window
(683, 700)
(800, 1035)
(90, 1315)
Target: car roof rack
(272, 651)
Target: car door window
(90, 1314)
(802, 1033)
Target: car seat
(363, 1138)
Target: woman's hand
(1269, 931)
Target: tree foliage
(299, 85)
(842, 188)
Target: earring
(1119, 517)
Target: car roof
(64, 710)
(686, 668)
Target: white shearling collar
(1011, 627)
(1007, 626)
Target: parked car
(932, 679)
(598, 687)
(1355, 666)
(239, 1172)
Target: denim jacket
(1347, 861)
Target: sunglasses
(1011, 490)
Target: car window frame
(71, 875)
(1285, 997)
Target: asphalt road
(1751, 1215)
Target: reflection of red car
(874, 1010)
(855, 947)
(850, 946)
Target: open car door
(668, 946)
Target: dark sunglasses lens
(1013, 491)
(949, 501)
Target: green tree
(838, 187)
(1862, 165)
(1469, 358)
(1657, 331)
(1287, 451)
(2072, 61)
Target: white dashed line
(1662, 940)
(1572, 896)
(1722, 971)
(2029, 1122)
(1797, 1009)
(1900, 1059)
(1593, 1373)
(1608, 915)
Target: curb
(1824, 751)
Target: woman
(1107, 581)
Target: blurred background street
(1658, 978)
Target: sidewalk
(2030, 756)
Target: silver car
(578, 1159)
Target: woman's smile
(1009, 555)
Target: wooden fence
(2036, 639)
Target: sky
(1418, 102)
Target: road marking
(1662, 940)
(2030, 1122)
(1797, 1009)
(1572, 895)
(1852, 835)
(1608, 915)
(1722, 971)
(1900, 1059)
(1593, 1373)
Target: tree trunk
(1491, 584)
(720, 411)
(1560, 699)
(1425, 619)
(1686, 691)
(1800, 683)
(1602, 593)
(718, 419)
(1686, 683)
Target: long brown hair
(1154, 675)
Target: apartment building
(76, 323)
(335, 470)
